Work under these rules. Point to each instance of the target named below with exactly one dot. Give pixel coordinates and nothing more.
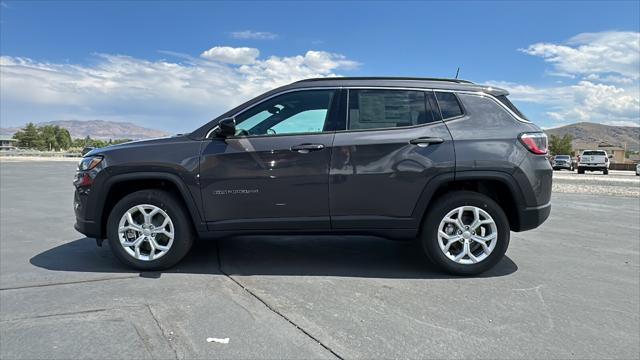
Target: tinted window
(503, 99)
(562, 157)
(295, 112)
(449, 105)
(375, 109)
(595, 152)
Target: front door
(395, 142)
(274, 173)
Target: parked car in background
(562, 162)
(337, 156)
(593, 160)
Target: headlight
(89, 163)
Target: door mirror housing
(226, 127)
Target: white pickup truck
(593, 160)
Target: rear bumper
(532, 217)
(593, 166)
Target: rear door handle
(426, 141)
(306, 148)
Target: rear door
(274, 173)
(394, 143)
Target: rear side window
(503, 99)
(449, 105)
(377, 109)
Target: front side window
(376, 109)
(449, 105)
(292, 113)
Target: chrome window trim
(467, 92)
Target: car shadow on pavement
(338, 256)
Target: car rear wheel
(465, 233)
(605, 172)
(149, 230)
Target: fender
(504, 177)
(192, 207)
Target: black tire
(443, 205)
(605, 172)
(580, 171)
(183, 229)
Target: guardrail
(52, 154)
(625, 166)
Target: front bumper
(532, 217)
(84, 224)
(87, 228)
(561, 166)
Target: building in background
(7, 143)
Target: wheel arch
(499, 186)
(118, 186)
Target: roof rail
(459, 81)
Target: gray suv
(450, 164)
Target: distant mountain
(591, 133)
(99, 129)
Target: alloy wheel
(146, 232)
(467, 235)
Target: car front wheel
(465, 233)
(149, 230)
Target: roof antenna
(457, 72)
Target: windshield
(503, 99)
(562, 157)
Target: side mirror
(226, 127)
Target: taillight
(535, 142)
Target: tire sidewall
(448, 202)
(183, 237)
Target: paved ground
(569, 289)
(617, 183)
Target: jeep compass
(449, 164)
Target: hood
(137, 144)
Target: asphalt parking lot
(569, 289)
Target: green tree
(63, 138)
(47, 138)
(560, 145)
(27, 137)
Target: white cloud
(584, 101)
(601, 73)
(614, 53)
(173, 95)
(230, 55)
(254, 35)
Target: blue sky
(174, 65)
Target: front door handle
(426, 141)
(306, 148)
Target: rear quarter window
(504, 100)
(449, 105)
